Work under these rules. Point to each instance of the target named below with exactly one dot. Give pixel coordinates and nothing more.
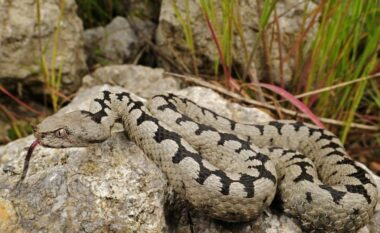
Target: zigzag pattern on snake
(228, 169)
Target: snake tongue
(27, 160)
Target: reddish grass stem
(226, 69)
(5, 91)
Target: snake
(230, 170)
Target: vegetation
(345, 48)
(51, 75)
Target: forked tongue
(26, 162)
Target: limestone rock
(117, 42)
(22, 35)
(141, 80)
(109, 186)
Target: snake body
(228, 169)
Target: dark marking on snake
(360, 190)
(331, 145)
(308, 197)
(138, 105)
(288, 151)
(202, 128)
(259, 156)
(183, 118)
(325, 137)
(316, 130)
(204, 110)
(356, 211)
(335, 152)
(297, 125)
(335, 194)
(233, 124)
(296, 156)
(260, 128)
(168, 104)
(304, 175)
(244, 145)
(121, 95)
(97, 116)
(359, 174)
(277, 125)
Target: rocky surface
(118, 42)
(170, 37)
(81, 190)
(141, 80)
(113, 186)
(22, 36)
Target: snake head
(74, 129)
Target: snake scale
(230, 170)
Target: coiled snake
(228, 169)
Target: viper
(230, 170)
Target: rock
(170, 37)
(21, 36)
(81, 190)
(117, 43)
(112, 186)
(143, 81)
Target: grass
(344, 49)
(187, 31)
(337, 56)
(51, 75)
(98, 13)
(223, 49)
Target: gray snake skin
(230, 170)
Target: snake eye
(61, 133)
